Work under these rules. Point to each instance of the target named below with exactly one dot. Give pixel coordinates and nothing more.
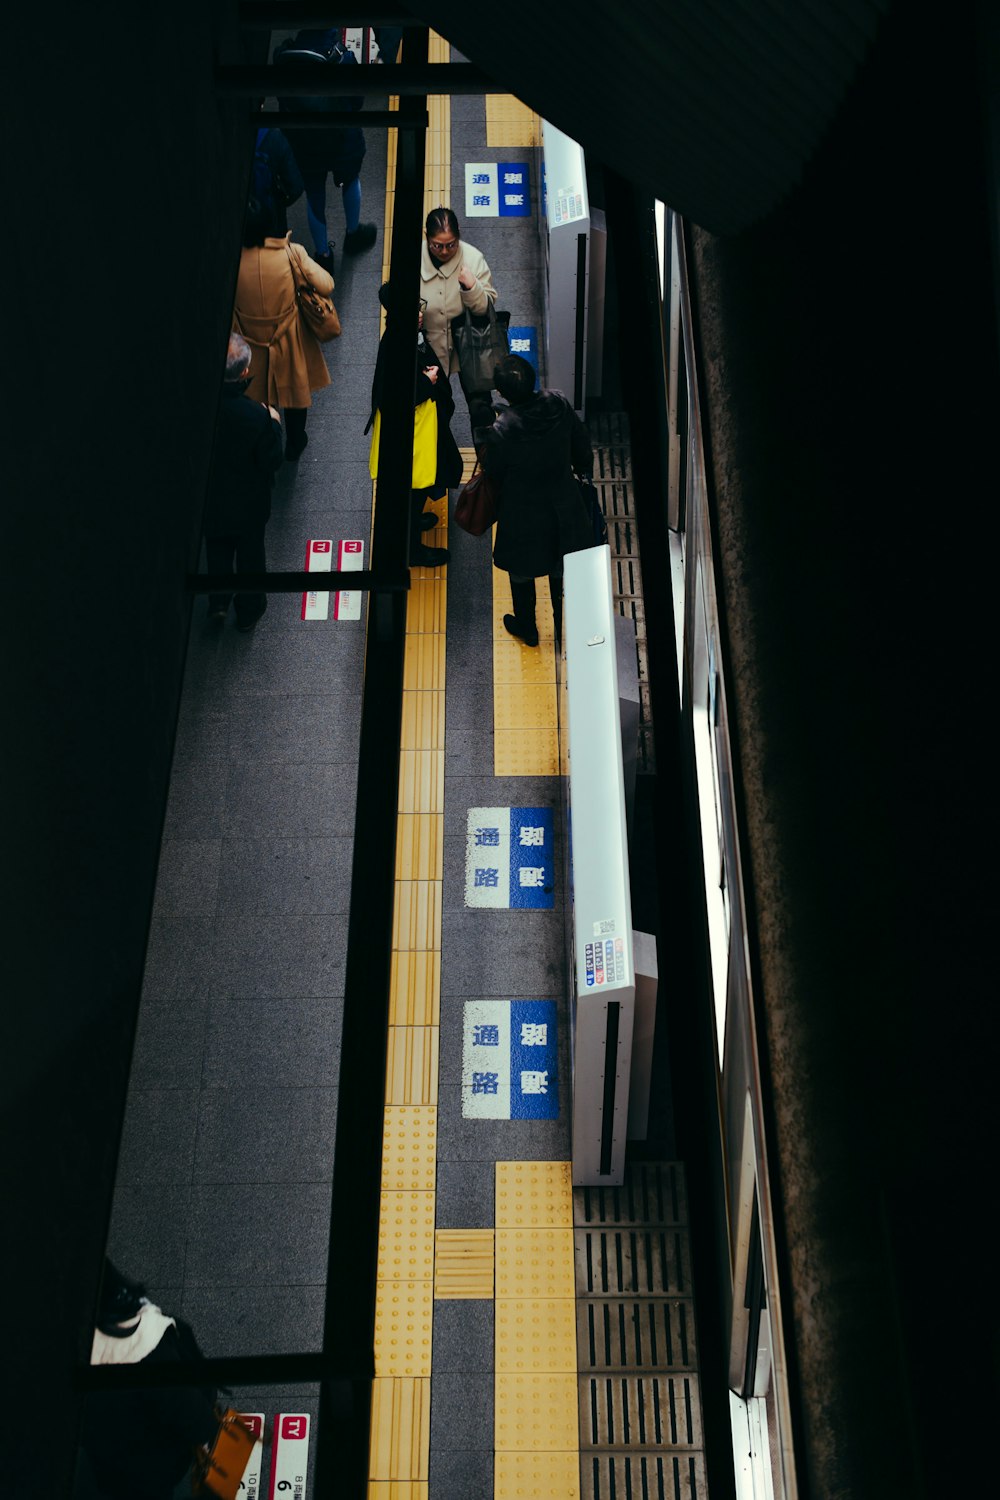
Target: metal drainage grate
(613, 479)
(643, 1262)
(640, 1411)
(652, 1193)
(643, 1476)
(635, 1335)
(636, 1348)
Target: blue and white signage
(515, 189)
(509, 858)
(497, 189)
(524, 341)
(509, 1060)
(482, 190)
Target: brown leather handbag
(219, 1470)
(476, 507)
(316, 310)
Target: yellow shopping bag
(425, 436)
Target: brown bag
(316, 311)
(476, 507)
(218, 1471)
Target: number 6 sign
(289, 1456)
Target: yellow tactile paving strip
(526, 733)
(463, 1265)
(400, 1426)
(511, 123)
(536, 1406)
(527, 1262)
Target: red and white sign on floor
(289, 1455)
(250, 1485)
(319, 559)
(350, 559)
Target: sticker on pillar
(319, 559)
(289, 1456)
(510, 1060)
(482, 196)
(347, 602)
(509, 858)
(515, 189)
(250, 1487)
(524, 341)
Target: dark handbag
(481, 341)
(595, 515)
(476, 507)
(316, 311)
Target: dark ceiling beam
(270, 15)
(363, 119)
(298, 80)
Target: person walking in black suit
(247, 454)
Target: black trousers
(522, 593)
(243, 553)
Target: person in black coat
(337, 149)
(431, 384)
(276, 183)
(530, 453)
(247, 455)
(140, 1443)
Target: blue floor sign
(509, 1067)
(509, 857)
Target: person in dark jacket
(530, 453)
(247, 454)
(140, 1443)
(276, 182)
(431, 384)
(338, 149)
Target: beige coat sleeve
(318, 278)
(475, 299)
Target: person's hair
(238, 357)
(119, 1301)
(515, 379)
(442, 218)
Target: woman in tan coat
(288, 363)
(453, 276)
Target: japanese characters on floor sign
(497, 189)
(350, 559)
(509, 1060)
(509, 857)
(319, 559)
(289, 1456)
(250, 1484)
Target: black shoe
(428, 523)
(428, 557)
(293, 450)
(513, 626)
(326, 261)
(362, 238)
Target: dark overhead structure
(838, 167)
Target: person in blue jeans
(340, 149)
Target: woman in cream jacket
(453, 276)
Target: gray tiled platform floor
(222, 1202)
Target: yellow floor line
(511, 123)
(536, 1408)
(399, 1452)
(525, 740)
